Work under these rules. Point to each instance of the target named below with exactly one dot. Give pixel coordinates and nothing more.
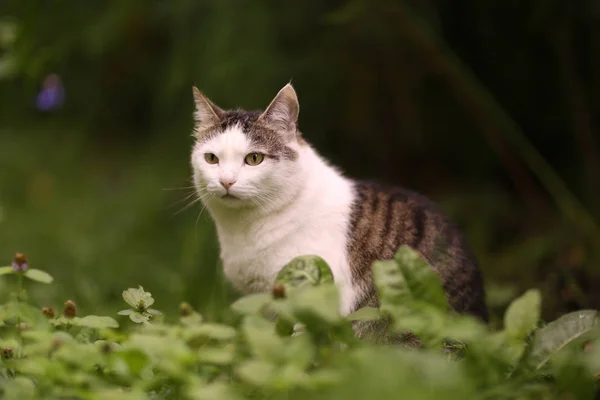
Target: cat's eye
(211, 158)
(254, 158)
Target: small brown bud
(20, 262)
(70, 310)
(7, 353)
(278, 291)
(48, 312)
(22, 326)
(185, 309)
(20, 258)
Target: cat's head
(246, 159)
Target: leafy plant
(140, 301)
(293, 343)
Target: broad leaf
(550, 339)
(207, 331)
(97, 322)
(262, 339)
(523, 314)
(423, 281)
(572, 375)
(316, 306)
(306, 270)
(138, 318)
(217, 355)
(256, 372)
(7, 270)
(364, 314)
(390, 283)
(135, 359)
(38, 275)
(251, 304)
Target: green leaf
(137, 318)
(571, 372)
(262, 339)
(7, 270)
(97, 322)
(422, 280)
(38, 275)
(523, 314)
(365, 314)
(390, 283)
(136, 297)
(213, 391)
(307, 270)
(199, 334)
(550, 339)
(217, 355)
(251, 304)
(256, 372)
(20, 387)
(135, 359)
(317, 306)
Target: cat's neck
(315, 179)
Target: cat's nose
(227, 183)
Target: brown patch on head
(271, 131)
(264, 137)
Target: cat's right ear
(206, 113)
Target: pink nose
(227, 183)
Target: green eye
(254, 158)
(211, 158)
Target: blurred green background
(490, 107)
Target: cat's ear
(282, 113)
(206, 113)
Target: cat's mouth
(229, 196)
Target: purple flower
(20, 262)
(52, 94)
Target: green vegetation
(488, 107)
(50, 356)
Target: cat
(273, 197)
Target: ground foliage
(293, 343)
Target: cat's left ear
(206, 113)
(282, 113)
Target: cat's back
(383, 218)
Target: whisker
(188, 205)
(201, 196)
(180, 188)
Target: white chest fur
(254, 249)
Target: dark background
(490, 107)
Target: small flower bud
(278, 291)
(70, 310)
(22, 326)
(185, 309)
(7, 353)
(20, 262)
(48, 312)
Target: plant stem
(20, 285)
